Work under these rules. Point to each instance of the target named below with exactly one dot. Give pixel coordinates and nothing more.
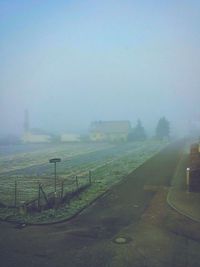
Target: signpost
(55, 160)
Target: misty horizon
(72, 62)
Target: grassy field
(28, 165)
(20, 157)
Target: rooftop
(111, 126)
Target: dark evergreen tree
(163, 129)
(138, 133)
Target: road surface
(127, 213)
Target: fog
(73, 62)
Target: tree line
(162, 131)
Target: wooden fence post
(90, 177)
(62, 189)
(77, 182)
(39, 195)
(44, 194)
(15, 193)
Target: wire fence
(37, 192)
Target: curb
(181, 212)
(171, 204)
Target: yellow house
(112, 131)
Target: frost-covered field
(29, 165)
(20, 157)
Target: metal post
(55, 160)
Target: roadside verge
(184, 202)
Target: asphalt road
(88, 239)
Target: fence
(40, 192)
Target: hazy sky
(72, 62)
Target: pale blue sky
(71, 62)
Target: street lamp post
(55, 160)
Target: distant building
(33, 135)
(112, 131)
(36, 136)
(67, 137)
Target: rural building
(112, 131)
(194, 174)
(67, 137)
(36, 136)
